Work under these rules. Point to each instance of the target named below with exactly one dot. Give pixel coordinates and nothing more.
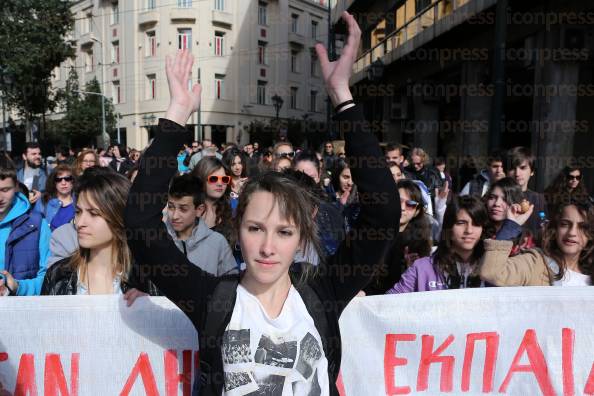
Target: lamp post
(102, 64)
(148, 123)
(103, 97)
(5, 80)
(277, 102)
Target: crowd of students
(285, 237)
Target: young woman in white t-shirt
(566, 259)
(270, 330)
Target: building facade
(247, 52)
(463, 78)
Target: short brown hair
(7, 173)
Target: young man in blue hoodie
(24, 241)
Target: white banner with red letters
(514, 341)
(95, 345)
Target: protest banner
(95, 345)
(514, 341)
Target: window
(261, 92)
(116, 92)
(313, 101)
(151, 43)
(89, 61)
(261, 53)
(295, 61)
(184, 39)
(115, 13)
(219, 86)
(219, 48)
(151, 4)
(87, 22)
(151, 92)
(314, 30)
(294, 23)
(184, 3)
(294, 91)
(262, 14)
(115, 52)
(219, 5)
(313, 67)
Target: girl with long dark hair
(454, 265)
(414, 239)
(216, 178)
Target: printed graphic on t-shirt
(271, 385)
(234, 380)
(236, 346)
(278, 354)
(275, 352)
(310, 354)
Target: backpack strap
(219, 308)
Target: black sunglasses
(65, 178)
(573, 177)
(290, 154)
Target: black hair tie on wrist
(343, 105)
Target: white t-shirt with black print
(273, 357)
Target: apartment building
(247, 52)
(446, 76)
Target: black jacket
(325, 295)
(61, 280)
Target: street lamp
(148, 119)
(277, 102)
(5, 81)
(103, 97)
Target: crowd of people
(277, 229)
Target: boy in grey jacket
(205, 248)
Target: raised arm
(359, 255)
(182, 282)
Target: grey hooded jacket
(206, 249)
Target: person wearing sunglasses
(566, 186)
(58, 201)
(455, 262)
(216, 178)
(237, 161)
(414, 241)
(283, 150)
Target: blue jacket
(24, 246)
(41, 180)
(49, 210)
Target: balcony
(183, 15)
(222, 18)
(296, 39)
(87, 40)
(418, 30)
(148, 17)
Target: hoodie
(206, 249)
(20, 206)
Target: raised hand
(514, 212)
(337, 74)
(182, 102)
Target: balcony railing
(421, 21)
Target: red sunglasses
(215, 179)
